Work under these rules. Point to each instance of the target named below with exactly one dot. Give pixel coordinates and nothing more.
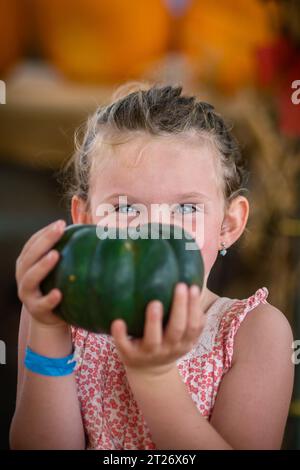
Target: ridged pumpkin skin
(105, 279)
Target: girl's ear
(234, 221)
(79, 212)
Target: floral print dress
(111, 417)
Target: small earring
(223, 251)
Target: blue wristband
(43, 365)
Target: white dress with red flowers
(111, 417)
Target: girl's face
(178, 171)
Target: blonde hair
(157, 110)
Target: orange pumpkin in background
(221, 37)
(102, 40)
(11, 34)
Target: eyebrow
(193, 194)
(178, 196)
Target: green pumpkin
(106, 278)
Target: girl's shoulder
(236, 310)
(223, 319)
(265, 331)
(249, 320)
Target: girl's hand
(33, 264)
(157, 351)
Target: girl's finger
(153, 331)
(33, 238)
(196, 317)
(46, 303)
(38, 245)
(37, 273)
(178, 318)
(122, 341)
(37, 234)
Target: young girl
(220, 375)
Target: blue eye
(126, 209)
(186, 208)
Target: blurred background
(59, 59)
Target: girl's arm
(47, 414)
(172, 416)
(252, 405)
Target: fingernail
(181, 288)
(56, 293)
(59, 226)
(194, 290)
(156, 307)
(51, 255)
